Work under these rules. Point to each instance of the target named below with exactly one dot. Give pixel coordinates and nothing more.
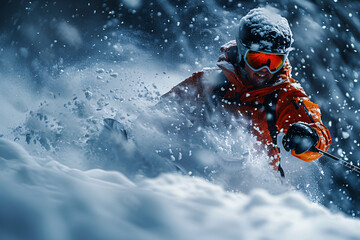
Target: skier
(253, 79)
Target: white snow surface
(44, 199)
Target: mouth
(261, 76)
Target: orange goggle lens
(257, 60)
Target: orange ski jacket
(271, 109)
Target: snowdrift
(43, 199)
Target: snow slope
(44, 199)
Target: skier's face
(258, 78)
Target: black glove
(300, 137)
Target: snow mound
(48, 200)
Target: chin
(260, 82)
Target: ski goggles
(259, 60)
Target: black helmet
(264, 30)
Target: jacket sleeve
(297, 107)
(187, 89)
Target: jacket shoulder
(199, 84)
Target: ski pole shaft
(346, 163)
(328, 155)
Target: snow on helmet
(264, 30)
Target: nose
(264, 70)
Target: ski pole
(346, 163)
